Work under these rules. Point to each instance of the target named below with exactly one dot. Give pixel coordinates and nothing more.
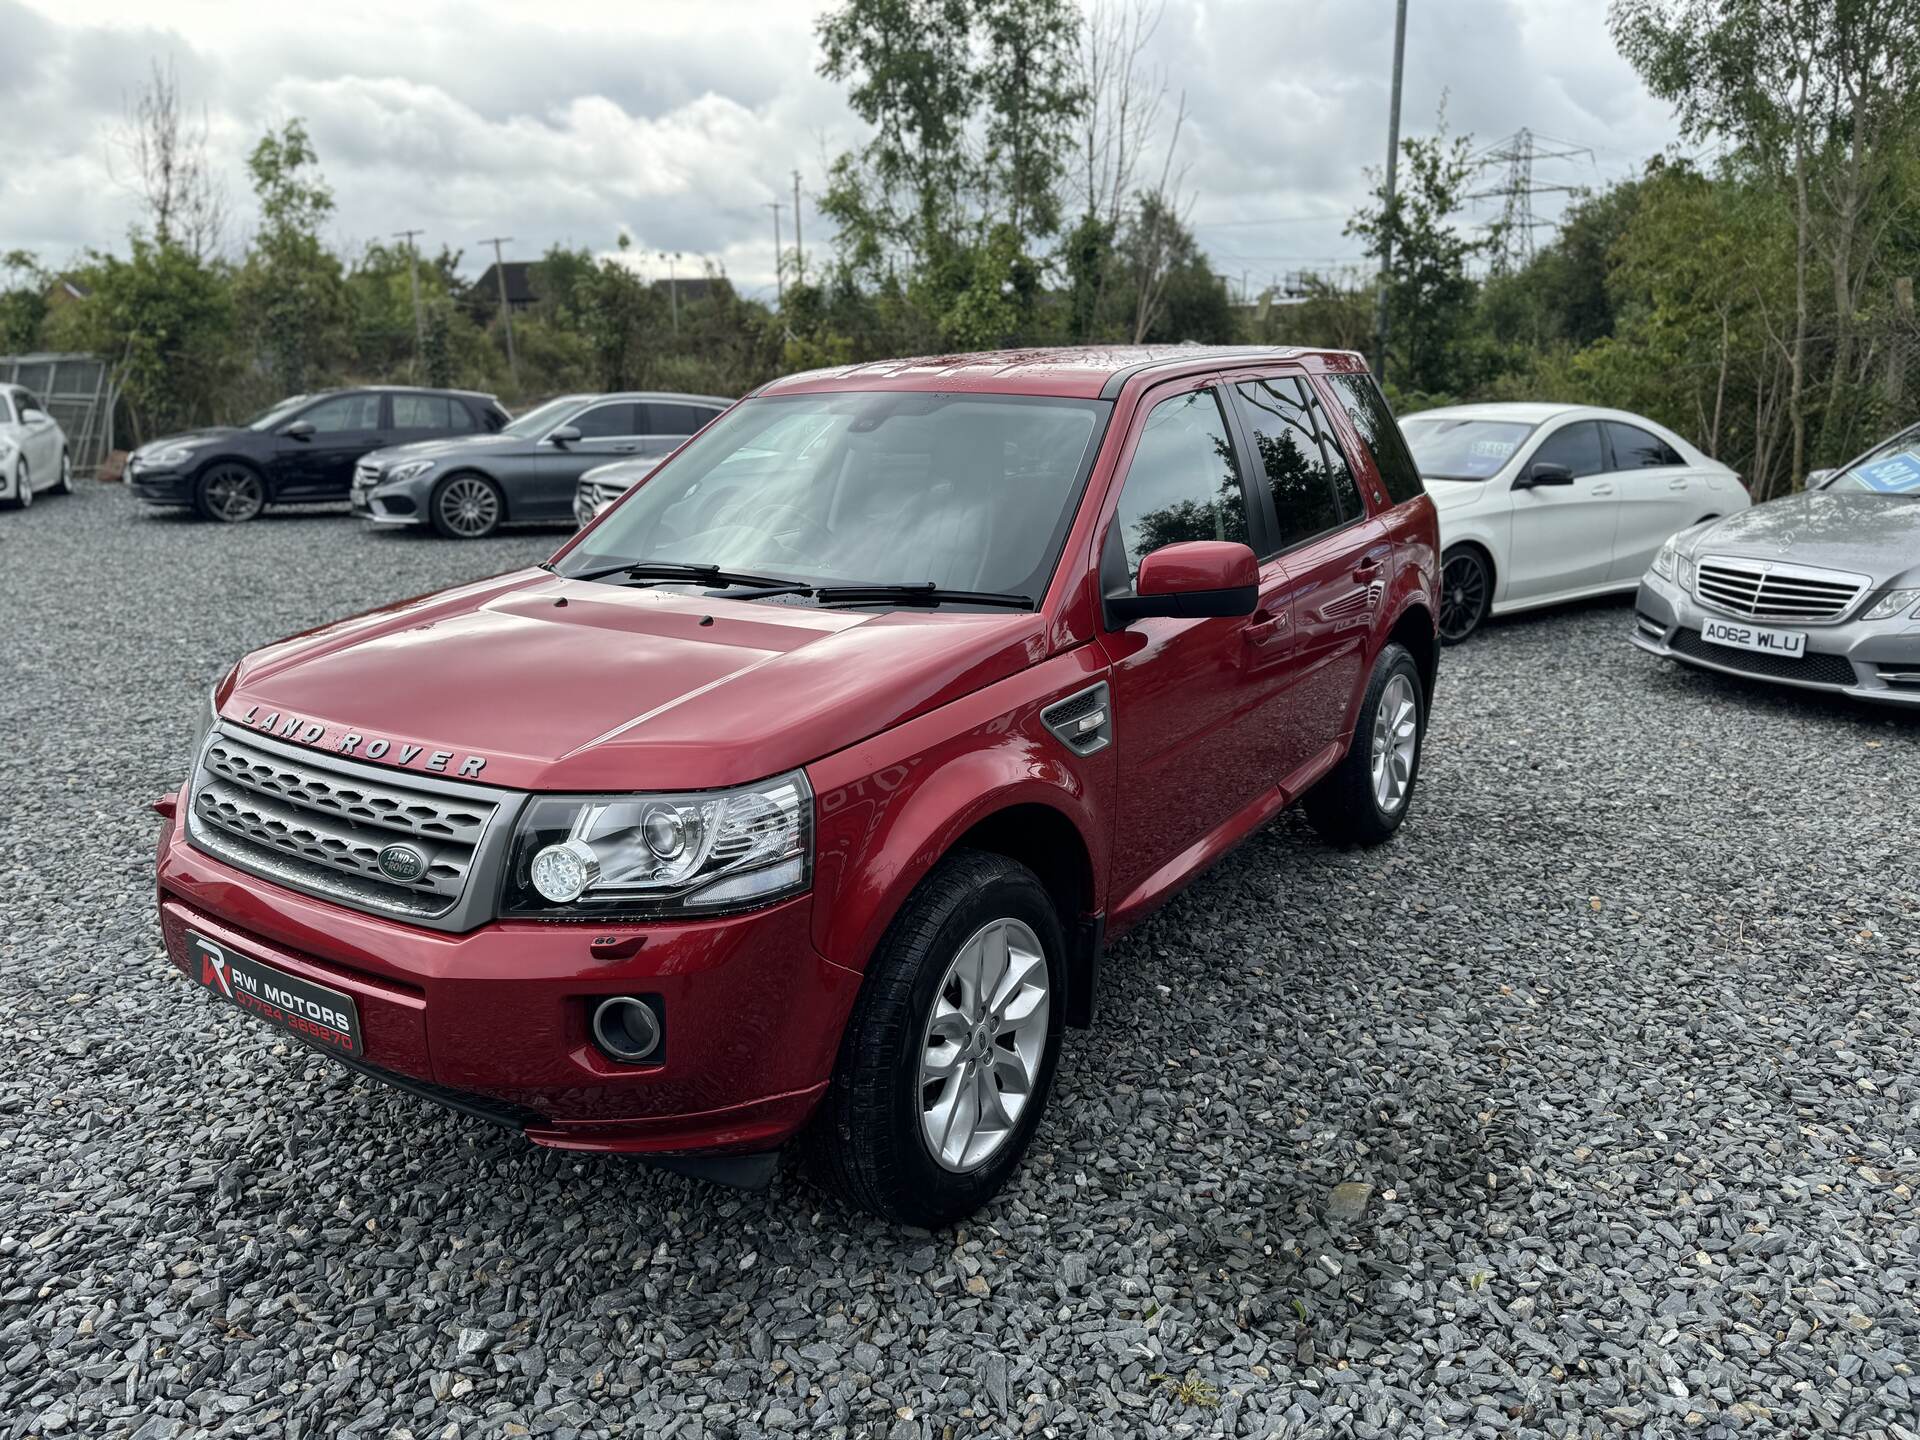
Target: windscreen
(542, 418)
(1449, 449)
(1891, 469)
(969, 492)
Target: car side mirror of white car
(32, 417)
(1543, 472)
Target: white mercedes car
(33, 449)
(1542, 503)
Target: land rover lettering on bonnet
(797, 796)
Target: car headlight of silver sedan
(1663, 563)
(407, 470)
(1893, 603)
(629, 856)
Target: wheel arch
(1417, 631)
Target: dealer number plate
(317, 1013)
(1752, 637)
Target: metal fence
(78, 393)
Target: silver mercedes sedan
(1819, 589)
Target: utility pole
(413, 280)
(799, 255)
(673, 289)
(506, 311)
(779, 289)
(1387, 214)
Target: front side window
(1312, 488)
(968, 492)
(1184, 483)
(609, 422)
(343, 413)
(1576, 446)
(6, 409)
(1636, 449)
(1367, 408)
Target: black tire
(64, 485)
(865, 1142)
(230, 492)
(22, 489)
(1345, 806)
(466, 507)
(1466, 592)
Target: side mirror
(1192, 580)
(299, 430)
(1544, 472)
(30, 416)
(1817, 479)
(565, 435)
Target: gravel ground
(1621, 1036)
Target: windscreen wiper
(923, 593)
(648, 571)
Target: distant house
(485, 293)
(65, 290)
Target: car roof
(667, 395)
(1524, 412)
(1086, 372)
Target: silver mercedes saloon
(1819, 589)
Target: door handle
(1266, 626)
(1368, 568)
(1679, 482)
(1603, 489)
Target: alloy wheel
(1463, 595)
(234, 494)
(1396, 743)
(23, 487)
(65, 487)
(469, 507)
(985, 1043)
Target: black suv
(300, 450)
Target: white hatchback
(33, 449)
(1542, 503)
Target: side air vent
(1083, 722)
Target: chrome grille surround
(1774, 590)
(317, 824)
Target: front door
(320, 466)
(608, 432)
(1193, 745)
(1659, 494)
(1563, 534)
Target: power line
(1518, 152)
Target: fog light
(626, 1029)
(563, 872)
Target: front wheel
(22, 487)
(1466, 591)
(947, 1061)
(231, 493)
(467, 507)
(64, 485)
(1363, 799)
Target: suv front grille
(1812, 668)
(1760, 590)
(320, 825)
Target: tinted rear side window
(1367, 408)
(1307, 476)
(1637, 449)
(665, 419)
(423, 412)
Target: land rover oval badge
(402, 863)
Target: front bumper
(1864, 659)
(495, 1021)
(161, 487)
(395, 507)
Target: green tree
(291, 286)
(1430, 296)
(23, 300)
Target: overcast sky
(678, 120)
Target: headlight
(170, 455)
(1663, 562)
(628, 856)
(6, 446)
(1892, 603)
(407, 471)
(1683, 572)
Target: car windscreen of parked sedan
(1889, 469)
(967, 493)
(1462, 449)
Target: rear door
(1659, 494)
(429, 417)
(1563, 534)
(1335, 557)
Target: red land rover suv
(800, 792)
